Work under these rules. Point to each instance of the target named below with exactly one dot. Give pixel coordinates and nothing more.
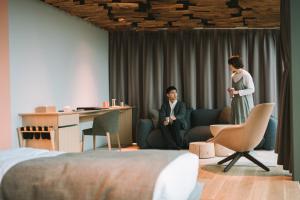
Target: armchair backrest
(245, 137)
(256, 124)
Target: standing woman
(241, 91)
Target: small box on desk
(45, 109)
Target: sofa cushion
(154, 116)
(225, 116)
(270, 135)
(269, 139)
(198, 133)
(204, 117)
(188, 117)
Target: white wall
(55, 58)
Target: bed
(27, 173)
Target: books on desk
(88, 108)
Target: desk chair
(243, 138)
(104, 125)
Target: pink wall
(5, 112)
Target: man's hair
(236, 62)
(170, 88)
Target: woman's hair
(236, 62)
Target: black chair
(104, 125)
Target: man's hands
(166, 123)
(172, 118)
(169, 120)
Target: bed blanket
(90, 175)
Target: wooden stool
(202, 149)
(222, 151)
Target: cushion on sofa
(225, 116)
(204, 117)
(188, 117)
(270, 135)
(198, 133)
(269, 139)
(154, 116)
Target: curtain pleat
(284, 142)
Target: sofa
(198, 121)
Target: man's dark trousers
(171, 135)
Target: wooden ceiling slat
(173, 14)
(102, 1)
(136, 14)
(166, 6)
(209, 2)
(123, 5)
(257, 3)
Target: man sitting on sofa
(172, 119)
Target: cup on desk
(67, 109)
(113, 102)
(122, 104)
(105, 104)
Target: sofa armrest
(270, 135)
(269, 139)
(144, 127)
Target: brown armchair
(243, 138)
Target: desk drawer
(67, 120)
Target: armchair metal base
(236, 156)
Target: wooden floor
(247, 183)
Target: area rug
(268, 158)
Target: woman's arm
(248, 82)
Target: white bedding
(176, 181)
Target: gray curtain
(143, 64)
(284, 137)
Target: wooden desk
(67, 127)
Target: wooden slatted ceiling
(173, 15)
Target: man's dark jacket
(179, 113)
